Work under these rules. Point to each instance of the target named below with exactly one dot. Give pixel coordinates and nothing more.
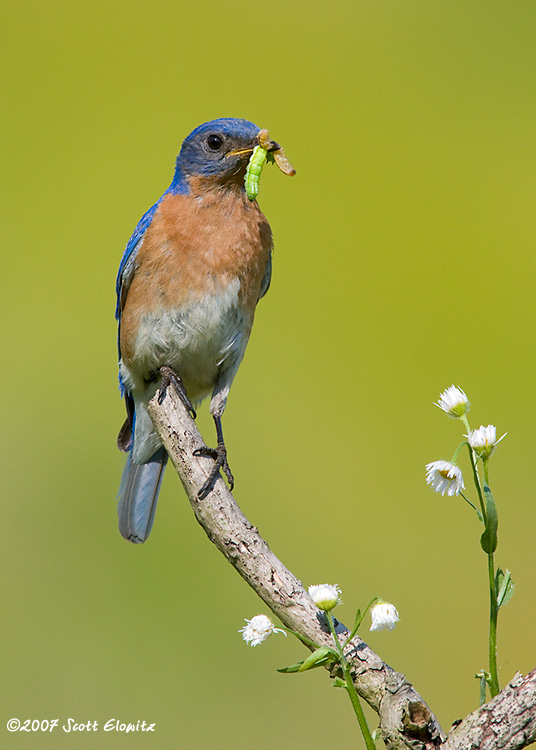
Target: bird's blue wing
(128, 261)
(267, 277)
(140, 483)
(127, 268)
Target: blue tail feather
(138, 495)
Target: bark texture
(507, 721)
(406, 721)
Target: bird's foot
(170, 377)
(219, 455)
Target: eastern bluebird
(188, 284)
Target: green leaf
(484, 679)
(488, 540)
(504, 586)
(338, 683)
(292, 668)
(318, 658)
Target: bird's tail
(138, 494)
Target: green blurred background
(404, 262)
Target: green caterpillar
(266, 150)
(253, 171)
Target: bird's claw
(170, 377)
(219, 455)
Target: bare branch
(405, 719)
(507, 721)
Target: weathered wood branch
(509, 721)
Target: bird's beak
(240, 151)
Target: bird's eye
(214, 142)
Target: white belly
(199, 340)
(202, 340)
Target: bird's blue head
(218, 150)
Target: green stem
(456, 452)
(493, 680)
(493, 612)
(477, 485)
(485, 465)
(358, 620)
(479, 514)
(352, 692)
(493, 604)
(466, 423)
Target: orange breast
(195, 246)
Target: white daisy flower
(258, 629)
(442, 476)
(484, 440)
(454, 402)
(384, 616)
(325, 596)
